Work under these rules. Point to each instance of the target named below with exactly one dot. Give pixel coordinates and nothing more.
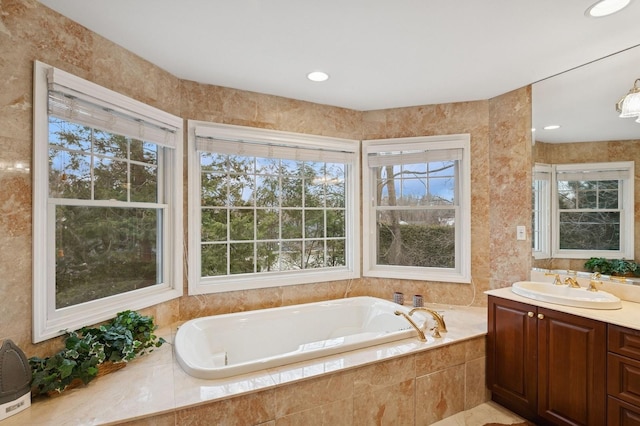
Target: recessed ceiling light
(551, 127)
(606, 8)
(318, 76)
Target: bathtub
(227, 345)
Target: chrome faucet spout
(421, 335)
(440, 324)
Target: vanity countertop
(627, 316)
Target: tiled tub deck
(404, 382)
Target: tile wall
(418, 389)
(499, 130)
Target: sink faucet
(573, 283)
(556, 279)
(421, 335)
(440, 324)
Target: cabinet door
(511, 355)
(622, 414)
(623, 378)
(571, 368)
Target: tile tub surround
(403, 382)
(500, 145)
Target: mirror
(582, 102)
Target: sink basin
(565, 295)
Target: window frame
(49, 322)
(224, 283)
(462, 272)
(541, 220)
(626, 217)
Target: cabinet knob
(540, 316)
(530, 314)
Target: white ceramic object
(565, 295)
(227, 345)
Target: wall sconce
(629, 105)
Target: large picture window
(107, 211)
(273, 205)
(417, 208)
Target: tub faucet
(440, 324)
(421, 335)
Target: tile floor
(488, 412)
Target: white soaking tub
(227, 345)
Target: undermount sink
(565, 295)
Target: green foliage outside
(263, 215)
(589, 215)
(420, 245)
(102, 251)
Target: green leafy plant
(125, 337)
(612, 266)
(79, 360)
(623, 267)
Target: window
(417, 208)
(541, 210)
(107, 203)
(593, 210)
(270, 208)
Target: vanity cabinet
(623, 376)
(547, 366)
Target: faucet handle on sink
(556, 280)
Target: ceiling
(379, 53)
(582, 101)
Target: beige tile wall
(589, 152)
(499, 142)
(417, 389)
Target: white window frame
(626, 218)
(47, 320)
(223, 132)
(462, 272)
(541, 228)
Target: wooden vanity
(560, 365)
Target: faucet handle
(593, 285)
(556, 280)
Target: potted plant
(91, 352)
(624, 268)
(126, 336)
(619, 267)
(77, 363)
(598, 264)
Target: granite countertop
(627, 316)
